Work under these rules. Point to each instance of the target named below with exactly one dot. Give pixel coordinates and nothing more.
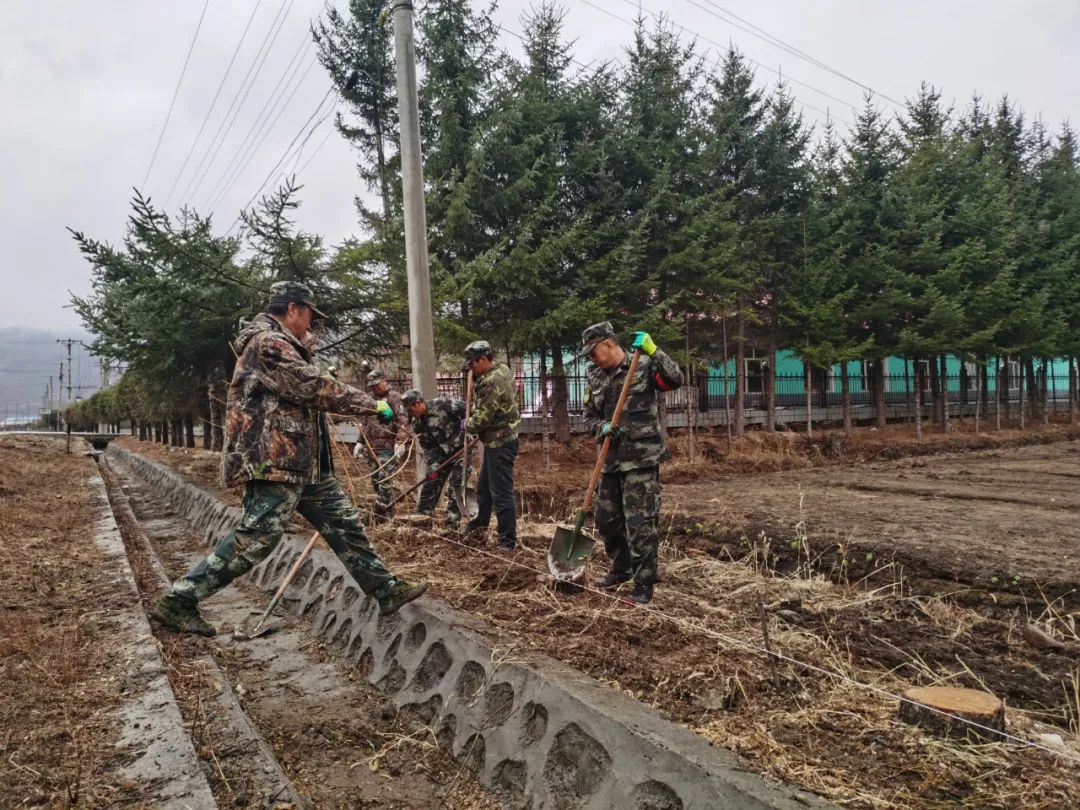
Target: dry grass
(57, 689)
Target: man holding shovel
(628, 495)
(494, 421)
(438, 427)
(276, 444)
(382, 442)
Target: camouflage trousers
(627, 518)
(268, 507)
(383, 466)
(431, 490)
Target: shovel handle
(421, 482)
(465, 445)
(285, 582)
(606, 446)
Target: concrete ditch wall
(537, 733)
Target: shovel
(466, 500)
(423, 480)
(259, 629)
(572, 546)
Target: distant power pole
(421, 330)
(68, 342)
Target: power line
(722, 47)
(268, 108)
(213, 102)
(176, 92)
(791, 49)
(288, 150)
(262, 139)
(244, 86)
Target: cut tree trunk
(189, 430)
(950, 711)
(808, 385)
(1072, 390)
(935, 391)
(560, 406)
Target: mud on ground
(882, 573)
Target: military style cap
(476, 349)
(594, 334)
(375, 377)
(411, 397)
(293, 292)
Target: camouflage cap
(594, 334)
(293, 292)
(476, 349)
(411, 397)
(375, 377)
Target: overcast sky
(85, 88)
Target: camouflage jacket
(641, 443)
(384, 435)
(272, 424)
(495, 417)
(439, 430)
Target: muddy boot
(612, 579)
(399, 595)
(181, 615)
(641, 595)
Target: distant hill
(29, 356)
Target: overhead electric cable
(269, 107)
(721, 47)
(239, 97)
(210, 110)
(176, 92)
(288, 151)
(791, 49)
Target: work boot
(181, 615)
(506, 549)
(612, 579)
(399, 595)
(641, 595)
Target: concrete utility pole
(421, 331)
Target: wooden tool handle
(285, 582)
(465, 447)
(602, 456)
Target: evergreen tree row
(673, 192)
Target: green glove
(606, 429)
(384, 411)
(644, 342)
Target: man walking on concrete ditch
(628, 495)
(276, 444)
(383, 443)
(437, 425)
(494, 420)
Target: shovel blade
(570, 549)
(250, 628)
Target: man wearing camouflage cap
(276, 445)
(494, 420)
(437, 425)
(628, 495)
(383, 443)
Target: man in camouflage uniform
(276, 444)
(382, 443)
(437, 424)
(628, 495)
(494, 420)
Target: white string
(751, 646)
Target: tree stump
(921, 706)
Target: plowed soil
(867, 576)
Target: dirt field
(57, 694)
(913, 571)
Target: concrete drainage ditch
(537, 733)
